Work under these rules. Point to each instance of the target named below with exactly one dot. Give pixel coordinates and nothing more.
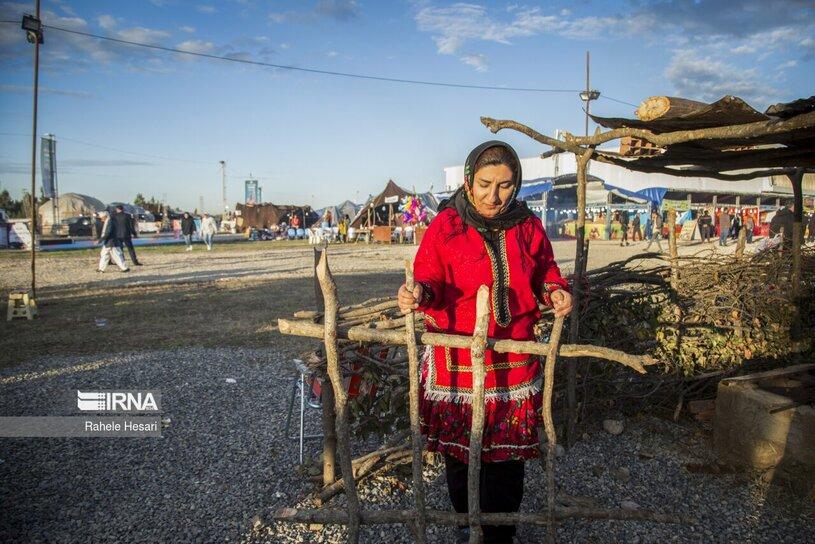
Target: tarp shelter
(337, 212)
(69, 205)
(384, 208)
(263, 216)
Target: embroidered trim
(435, 392)
(548, 289)
(500, 308)
(493, 366)
(485, 448)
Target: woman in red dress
(484, 236)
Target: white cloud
(142, 35)
(277, 17)
(708, 79)
(205, 8)
(188, 29)
(477, 61)
(107, 22)
(332, 54)
(196, 46)
(285, 46)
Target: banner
(251, 192)
(48, 161)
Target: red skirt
(510, 425)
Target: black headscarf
(516, 212)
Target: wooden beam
(479, 373)
(549, 425)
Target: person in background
(111, 246)
(295, 221)
(484, 235)
(735, 226)
(749, 225)
(624, 218)
(656, 231)
(188, 229)
(706, 226)
(636, 233)
(208, 230)
(125, 231)
(343, 228)
(783, 222)
(724, 227)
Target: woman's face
(492, 188)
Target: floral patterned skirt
(510, 426)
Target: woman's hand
(561, 302)
(409, 301)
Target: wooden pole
(479, 372)
(549, 425)
(329, 434)
(329, 289)
(797, 180)
(34, 159)
(741, 243)
(672, 247)
(298, 327)
(415, 433)
(580, 234)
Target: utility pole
(33, 28)
(224, 205)
(588, 92)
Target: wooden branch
(363, 334)
(549, 425)
(730, 132)
(363, 467)
(479, 373)
(672, 248)
(329, 433)
(415, 432)
(662, 107)
(440, 517)
(329, 289)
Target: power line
(310, 70)
(618, 101)
(115, 149)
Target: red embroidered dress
(453, 261)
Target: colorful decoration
(413, 211)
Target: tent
(263, 216)
(384, 208)
(346, 208)
(69, 205)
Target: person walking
(656, 231)
(724, 227)
(483, 235)
(636, 233)
(111, 246)
(705, 226)
(208, 230)
(624, 219)
(749, 225)
(188, 229)
(125, 231)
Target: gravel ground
(224, 460)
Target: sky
(134, 120)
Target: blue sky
(317, 139)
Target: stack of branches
(376, 373)
(726, 316)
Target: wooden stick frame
(418, 518)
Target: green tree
(140, 200)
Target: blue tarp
(651, 194)
(533, 189)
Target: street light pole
(33, 27)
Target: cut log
(656, 107)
